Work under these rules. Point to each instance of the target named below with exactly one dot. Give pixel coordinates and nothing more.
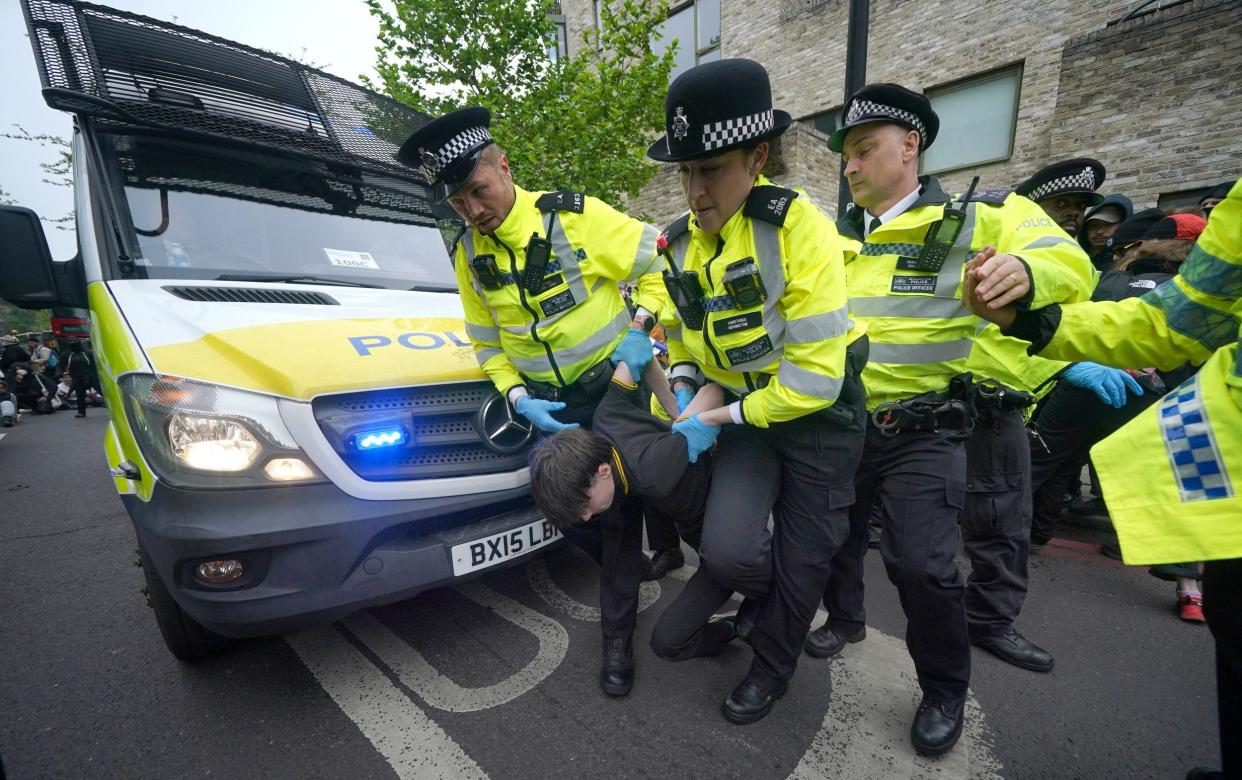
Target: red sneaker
(1190, 607)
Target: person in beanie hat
(538, 274)
(1065, 189)
(1099, 223)
(910, 244)
(757, 276)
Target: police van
(298, 425)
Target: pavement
(497, 677)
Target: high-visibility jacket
(1171, 475)
(921, 334)
(786, 356)
(997, 356)
(579, 316)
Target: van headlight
(201, 435)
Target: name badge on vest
(562, 301)
(752, 351)
(913, 284)
(724, 327)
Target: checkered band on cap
(458, 144)
(1191, 445)
(732, 131)
(861, 108)
(1083, 180)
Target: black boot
(664, 561)
(753, 698)
(823, 642)
(937, 725)
(1016, 649)
(616, 676)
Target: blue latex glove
(540, 411)
(1110, 384)
(684, 396)
(699, 435)
(634, 351)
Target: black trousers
(1222, 593)
(801, 472)
(919, 480)
(996, 521)
(1070, 421)
(661, 530)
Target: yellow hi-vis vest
(921, 334)
(579, 316)
(786, 356)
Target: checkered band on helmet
(861, 108)
(732, 131)
(1083, 180)
(467, 139)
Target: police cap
(1079, 176)
(715, 107)
(888, 103)
(446, 150)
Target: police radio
(486, 271)
(538, 251)
(684, 288)
(943, 235)
(744, 284)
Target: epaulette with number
(561, 200)
(990, 197)
(677, 228)
(769, 203)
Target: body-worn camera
(744, 284)
(486, 271)
(686, 292)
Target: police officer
(1065, 190)
(756, 274)
(538, 276)
(1170, 475)
(904, 274)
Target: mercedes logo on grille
(503, 431)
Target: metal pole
(855, 75)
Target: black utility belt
(592, 384)
(952, 411)
(744, 289)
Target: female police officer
(759, 282)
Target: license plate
(501, 547)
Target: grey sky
(338, 35)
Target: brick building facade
(1156, 98)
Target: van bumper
(312, 553)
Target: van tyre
(185, 637)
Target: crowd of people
(39, 379)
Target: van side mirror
(26, 275)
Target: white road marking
(555, 596)
(412, 743)
(441, 692)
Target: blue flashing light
(374, 440)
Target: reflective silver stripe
(569, 260)
(479, 333)
(768, 248)
(487, 353)
(913, 354)
(531, 365)
(672, 332)
(808, 382)
(818, 327)
(950, 275)
(570, 355)
(687, 370)
(1046, 241)
(912, 306)
(645, 259)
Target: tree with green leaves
(581, 122)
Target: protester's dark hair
(1170, 251)
(561, 469)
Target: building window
(825, 122)
(1181, 200)
(696, 28)
(558, 47)
(977, 119)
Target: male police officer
(538, 275)
(1065, 190)
(904, 276)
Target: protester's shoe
(1038, 541)
(873, 537)
(823, 642)
(753, 698)
(1190, 607)
(1087, 506)
(937, 725)
(9, 421)
(664, 561)
(616, 676)
(1016, 649)
(80, 414)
